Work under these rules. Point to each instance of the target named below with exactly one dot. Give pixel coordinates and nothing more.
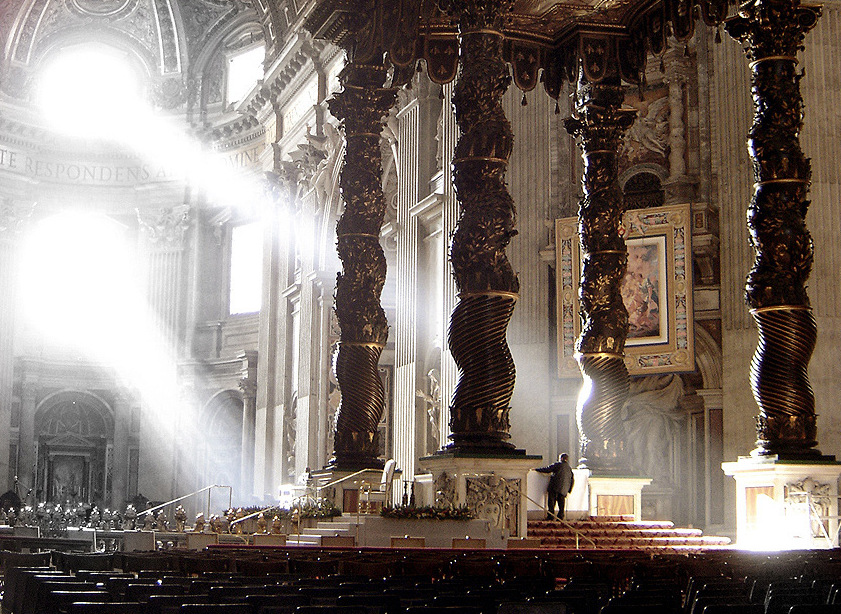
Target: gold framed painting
(656, 290)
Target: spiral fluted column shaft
(771, 32)
(599, 124)
(484, 277)
(361, 105)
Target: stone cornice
(236, 132)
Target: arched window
(244, 70)
(246, 274)
(643, 190)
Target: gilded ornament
(599, 123)
(362, 106)
(484, 277)
(772, 32)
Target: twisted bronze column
(361, 105)
(599, 123)
(771, 32)
(485, 280)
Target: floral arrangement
(322, 508)
(427, 512)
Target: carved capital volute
(248, 374)
(165, 227)
(13, 217)
(363, 101)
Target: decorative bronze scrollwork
(599, 124)
(361, 105)
(484, 276)
(772, 32)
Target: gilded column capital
(772, 28)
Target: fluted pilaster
(404, 431)
(165, 230)
(248, 388)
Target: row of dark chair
(272, 581)
(36, 590)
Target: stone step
(334, 526)
(602, 524)
(623, 535)
(560, 532)
(622, 542)
(304, 539)
(352, 531)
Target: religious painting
(68, 478)
(656, 291)
(642, 286)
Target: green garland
(270, 513)
(321, 509)
(427, 512)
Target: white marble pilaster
(273, 335)
(8, 307)
(122, 424)
(26, 447)
(165, 230)
(404, 425)
(248, 387)
(529, 178)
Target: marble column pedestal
(785, 504)
(605, 496)
(492, 486)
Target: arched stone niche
(220, 440)
(74, 437)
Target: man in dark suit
(560, 483)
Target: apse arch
(708, 358)
(209, 65)
(74, 433)
(647, 167)
(55, 400)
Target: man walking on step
(560, 483)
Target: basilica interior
(245, 242)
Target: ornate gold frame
(676, 353)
